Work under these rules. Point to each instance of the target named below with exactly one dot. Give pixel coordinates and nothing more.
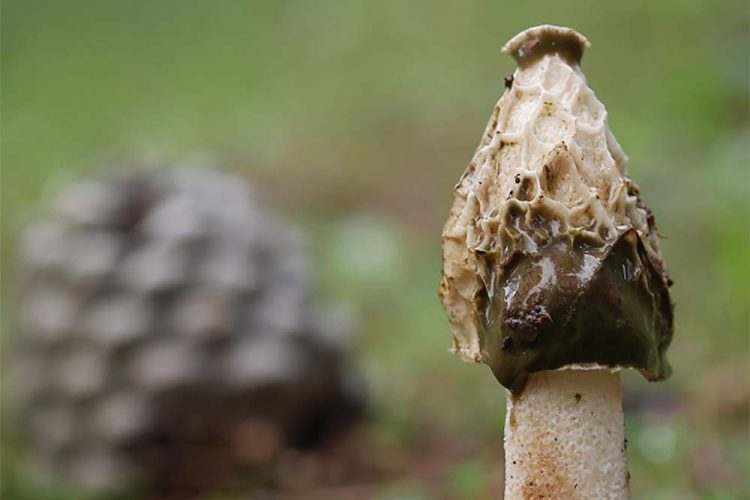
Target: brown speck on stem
(508, 81)
(578, 398)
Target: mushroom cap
(550, 257)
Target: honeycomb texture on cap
(161, 310)
(547, 169)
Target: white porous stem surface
(564, 438)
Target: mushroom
(552, 274)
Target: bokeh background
(354, 119)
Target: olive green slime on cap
(574, 303)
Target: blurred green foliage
(356, 118)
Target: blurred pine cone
(167, 333)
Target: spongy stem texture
(564, 437)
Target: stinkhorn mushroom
(552, 274)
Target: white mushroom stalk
(552, 274)
(564, 437)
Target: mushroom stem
(564, 437)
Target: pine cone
(167, 333)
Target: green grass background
(356, 118)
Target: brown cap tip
(534, 43)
